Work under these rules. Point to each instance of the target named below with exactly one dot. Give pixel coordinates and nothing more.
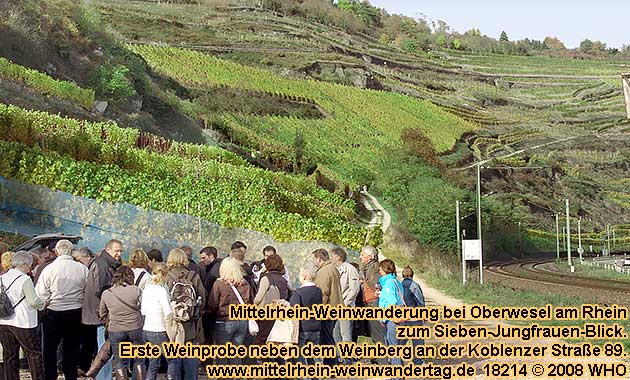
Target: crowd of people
(69, 310)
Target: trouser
(88, 346)
(116, 338)
(343, 333)
(304, 338)
(391, 340)
(11, 339)
(157, 338)
(415, 342)
(231, 331)
(106, 372)
(326, 337)
(377, 332)
(61, 327)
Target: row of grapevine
(361, 127)
(45, 84)
(232, 194)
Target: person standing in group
(155, 256)
(62, 286)
(328, 280)
(258, 267)
(413, 297)
(19, 329)
(47, 258)
(273, 286)
(238, 250)
(6, 262)
(192, 265)
(391, 293)
(183, 282)
(156, 307)
(350, 285)
(100, 276)
(87, 344)
(120, 305)
(308, 295)
(230, 289)
(209, 264)
(139, 263)
(369, 270)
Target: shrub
(112, 82)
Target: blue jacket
(391, 291)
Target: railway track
(530, 270)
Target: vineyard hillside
(275, 120)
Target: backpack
(184, 297)
(6, 308)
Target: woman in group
(226, 291)
(273, 286)
(180, 277)
(139, 263)
(391, 293)
(156, 307)
(19, 330)
(120, 306)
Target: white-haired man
(62, 286)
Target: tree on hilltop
(554, 43)
(504, 37)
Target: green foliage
(504, 37)
(45, 84)
(80, 157)
(410, 46)
(112, 81)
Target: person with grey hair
(19, 330)
(370, 275)
(62, 286)
(83, 255)
(308, 295)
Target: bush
(112, 82)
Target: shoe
(141, 371)
(121, 374)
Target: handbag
(252, 325)
(399, 320)
(285, 331)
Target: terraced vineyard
(361, 124)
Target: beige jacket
(328, 280)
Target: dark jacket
(193, 266)
(192, 329)
(370, 276)
(222, 296)
(211, 274)
(40, 268)
(248, 275)
(267, 280)
(308, 296)
(100, 273)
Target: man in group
(350, 285)
(46, 259)
(258, 267)
(209, 265)
(61, 285)
(99, 279)
(328, 280)
(369, 277)
(238, 251)
(192, 265)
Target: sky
(570, 20)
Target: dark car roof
(44, 240)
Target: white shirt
(155, 307)
(144, 281)
(25, 316)
(62, 284)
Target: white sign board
(471, 249)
